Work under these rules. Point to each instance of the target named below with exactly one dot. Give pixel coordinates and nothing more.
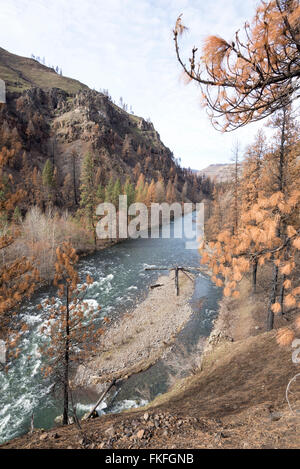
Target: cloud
(127, 47)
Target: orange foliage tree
(71, 327)
(269, 229)
(18, 277)
(252, 76)
(252, 186)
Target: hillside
(216, 172)
(50, 117)
(22, 73)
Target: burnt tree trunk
(282, 223)
(282, 292)
(176, 281)
(254, 276)
(66, 364)
(270, 317)
(74, 177)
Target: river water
(120, 280)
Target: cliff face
(119, 141)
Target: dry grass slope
(21, 73)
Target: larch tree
(235, 210)
(18, 277)
(255, 74)
(252, 186)
(170, 192)
(281, 203)
(269, 230)
(251, 180)
(48, 178)
(127, 148)
(217, 220)
(160, 193)
(137, 169)
(67, 190)
(26, 180)
(151, 194)
(71, 331)
(140, 189)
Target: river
(120, 281)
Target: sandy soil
(138, 339)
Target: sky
(126, 46)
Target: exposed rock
(65, 124)
(140, 434)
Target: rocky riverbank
(139, 338)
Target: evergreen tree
(129, 191)
(88, 193)
(100, 194)
(252, 186)
(117, 190)
(48, 179)
(47, 175)
(109, 190)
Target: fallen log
(101, 398)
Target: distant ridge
(217, 172)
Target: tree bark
(101, 398)
(176, 281)
(282, 292)
(254, 276)
(270, 317)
